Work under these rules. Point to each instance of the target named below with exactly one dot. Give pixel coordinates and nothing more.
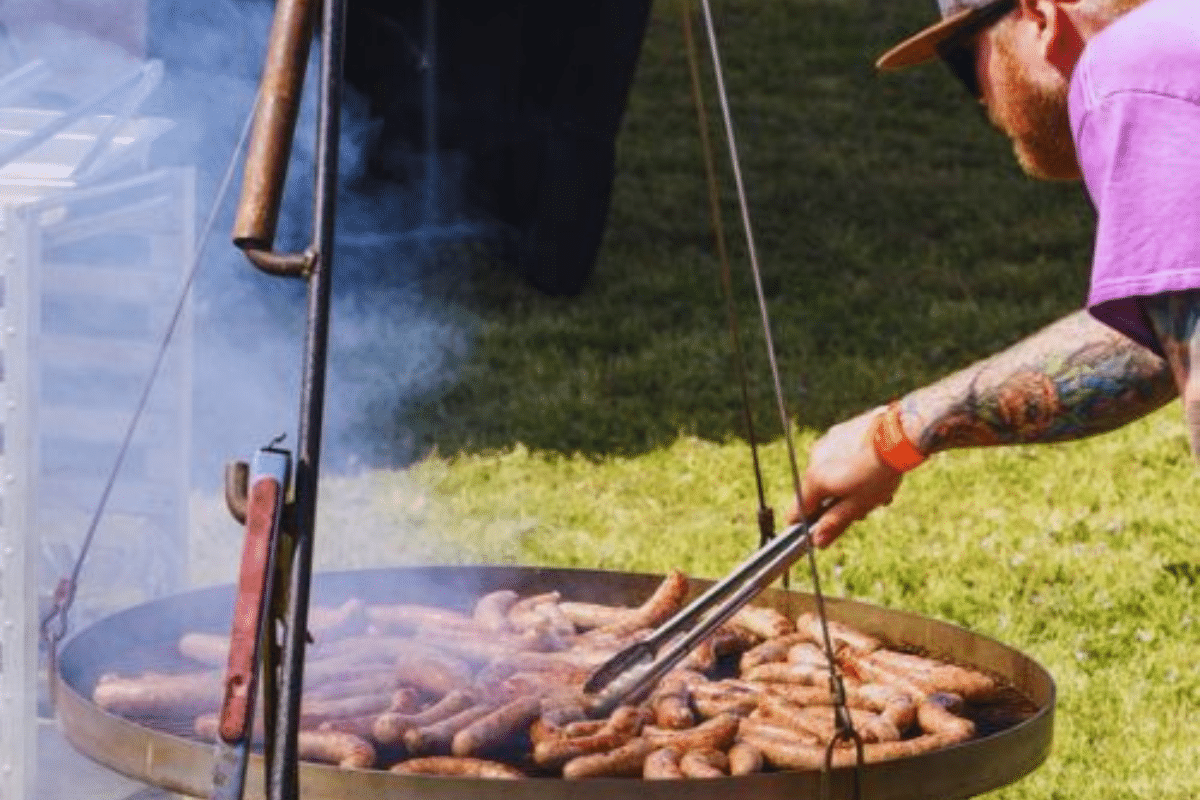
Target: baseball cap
(960, 19)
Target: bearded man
(1106, 90)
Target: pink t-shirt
(1135, 116)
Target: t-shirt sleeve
(1140, 156)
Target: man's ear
(1058, 36)
(1034, 10)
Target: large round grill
(1013, 742)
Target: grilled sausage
(702, 658)
(435, 673)
(391, 726)
(551, 678)
(628, 760)
(491, 610)
(435, 738)
(363, 727)
(704, 763)
(804, 674)
(842, 635)
(334, 747)
(771, 650)
(673, 709)
(624, 724)
(405, 700)
(970, 684)
(160, 695)
(355, 658)
(744, 759)
(934, 716)
(662, 764)
(716, 733)
(480, 647)
(752, 728)
(904, 662)
(492, 729)
(765, 622)
(713, 698)
(409, 617)
(667, 599)
(544, 729)
(587, 616)
(866, 670)
(896, 706)
(562, 708)
(541, 612)
(807, 653)
(821, 720)
(799, 694)
(329, 747)
(314, 712)
(457, 766)
(783, 754)
(940, 676)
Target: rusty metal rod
(278, 105)
(283, 768)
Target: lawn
(898, 241)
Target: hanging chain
(766, 516)
(53, 625)
(844, 728)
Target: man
(1106, 90)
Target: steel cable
(843, 725)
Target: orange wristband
(891, 444)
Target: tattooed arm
(1075, 378)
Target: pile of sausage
(496, 693)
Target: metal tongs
(633, 672)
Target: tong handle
(251, 621)
(634, 670)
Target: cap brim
(923, 46)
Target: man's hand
(844, 471)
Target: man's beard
(1034, 116)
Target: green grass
(898, 241)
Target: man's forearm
(1074, 378)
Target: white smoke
(388, 340)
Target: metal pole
(283, 783)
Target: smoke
(243, 343)
(387, 341)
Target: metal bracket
(237, 489)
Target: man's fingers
(815, 499)
(833, 523)
(842, 514)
